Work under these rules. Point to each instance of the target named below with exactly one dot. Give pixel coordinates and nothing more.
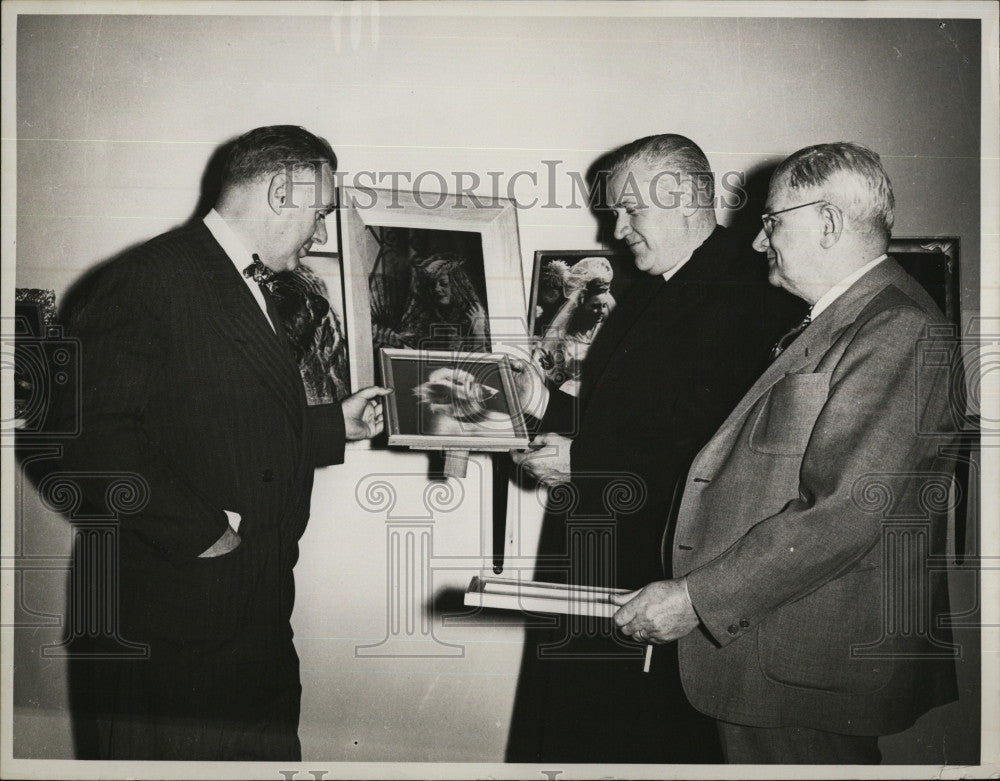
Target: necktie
(782, 344)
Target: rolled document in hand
(539, 597)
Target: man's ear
(276, 192)
(833, 225)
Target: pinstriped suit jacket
(186, 386)
(809, 521)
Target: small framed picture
(310, 302)
(445, 400)
(572, 294)
(933, 262)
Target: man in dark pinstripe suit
(190, 384)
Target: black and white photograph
(451, 400)
(430, 271)
(428, 290)
(536, 390)
(572, 294)
(310, 304)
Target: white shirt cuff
(234, 519)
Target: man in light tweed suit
(787, 552)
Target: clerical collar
(668, 274)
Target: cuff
(235, 519)
(713, 608)
(537, 409)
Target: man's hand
(363, 417)
(547, 460)
(529, 382)
(229, 541)
(658, 613)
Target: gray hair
(667, 152)
(853, 177)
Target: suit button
(744, 623)
(267, 476)
(733, 629)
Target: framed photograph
(310, 302)
(428, 271)
(451, 400)
(35, 315)
(572, 294)
(933, 262)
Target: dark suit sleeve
(123, 342)
(325, 424)
(881, 420)
(560, 414)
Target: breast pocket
(788, 413)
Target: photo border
(389, 355)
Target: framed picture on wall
(451, 400)
(36, 364)
(310, 302)
(933, 262)
(428, 271)
(572, 294)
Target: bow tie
(260, 273)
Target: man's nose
(761, 242)
(319, 236)
(622, 226)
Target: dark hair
(265, 151)
(666, 152)
(595, 287)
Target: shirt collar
(841, 287)
(228, 240)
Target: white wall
(117, 117)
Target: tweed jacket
(810, 521)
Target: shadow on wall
(85, 651)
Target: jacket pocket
(818, 641)
(788, 413)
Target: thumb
(372, 392)
(540, 441)
(621, 599)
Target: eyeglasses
(770, 222)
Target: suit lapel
(804, 352)
(239, 317)
(609, 339)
